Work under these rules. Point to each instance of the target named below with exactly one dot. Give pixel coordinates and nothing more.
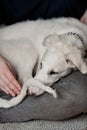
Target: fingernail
(7, 93)
(19, 88)
(13, 95)
(18, 92)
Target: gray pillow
(71, 101)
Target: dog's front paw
(35, 91)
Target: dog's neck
(76, 35)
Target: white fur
(43, 41)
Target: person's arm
(84, 17)
(8, 82)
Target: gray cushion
(71, 101)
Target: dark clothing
(17, 10)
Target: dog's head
(62, 54)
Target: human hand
(8, 82)
(84, 18)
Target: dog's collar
(76, 35)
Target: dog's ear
(50, 40)
(76, 60)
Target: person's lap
(71, 101)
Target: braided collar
(76, 35)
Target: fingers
(10, 85)
(6, 89)
(12, 80)
(11, 76)
(2, 87)
(11, 69)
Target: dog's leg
(14, 101)
(35, 87)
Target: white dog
(53, 46)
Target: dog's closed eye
(53, 72)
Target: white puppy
(54, 47)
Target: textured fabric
(78, 123)
(71, 101)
